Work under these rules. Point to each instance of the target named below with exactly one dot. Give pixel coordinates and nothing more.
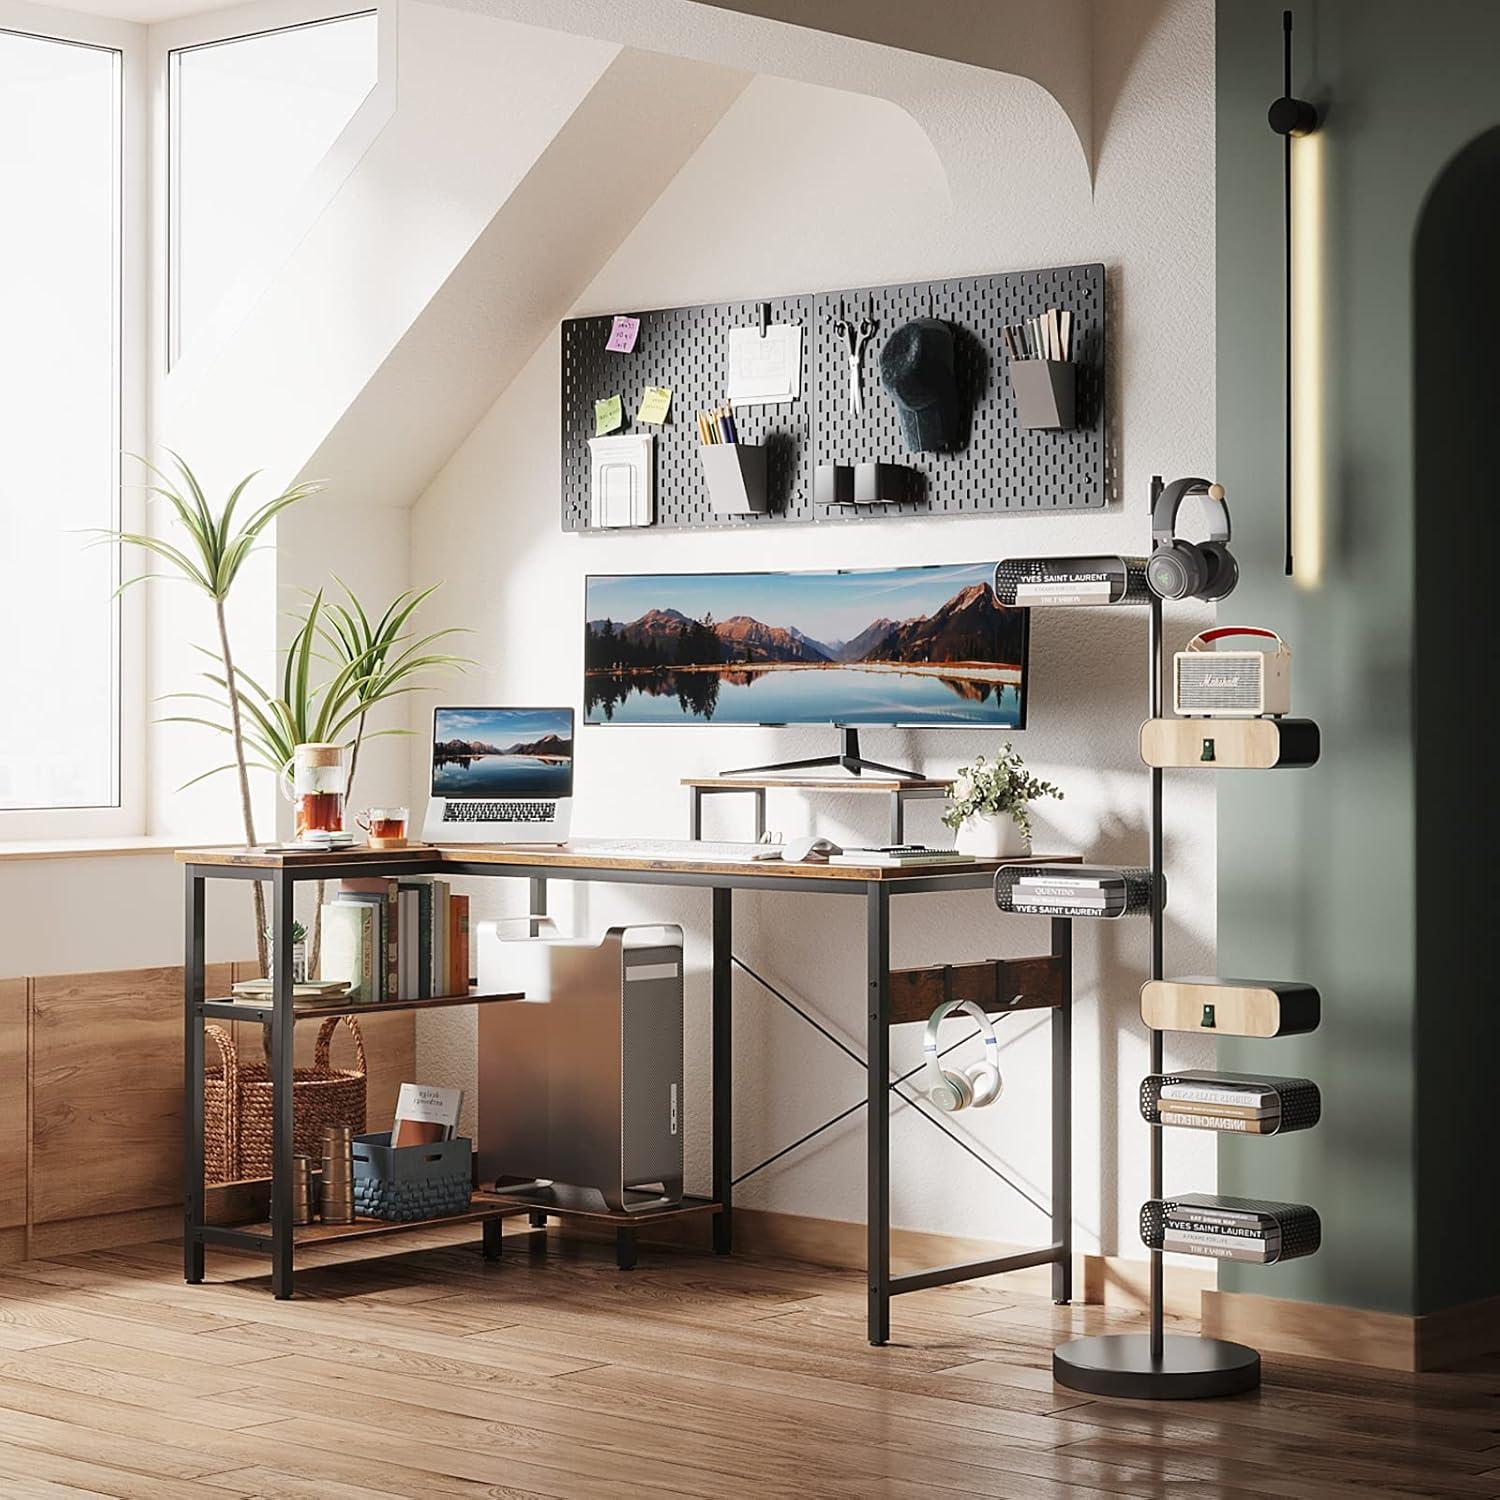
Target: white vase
(991, 836)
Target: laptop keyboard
(499, 812)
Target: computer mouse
(809, 851)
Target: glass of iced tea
(386, 827)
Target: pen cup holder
(736, 475)
(1046, 393)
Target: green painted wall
(1318, 870)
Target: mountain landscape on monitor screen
(960, 660)
(972, 629)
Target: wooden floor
(429, 1372)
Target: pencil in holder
(1046, 393)
(736, 476)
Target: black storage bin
(403, 1183)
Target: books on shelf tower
(1200, 1225)
(1093, 891)
(1220, 1104)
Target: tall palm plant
(370, 665)
(210, 559)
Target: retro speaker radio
(1212, 684)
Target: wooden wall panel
(13, 1094)
(107, 1091)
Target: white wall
(798, 188)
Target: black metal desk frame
(722, 883)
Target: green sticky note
(654, 404)
(609, 414)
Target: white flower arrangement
(991, 787)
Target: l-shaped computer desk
(894, 997)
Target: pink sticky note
(623, 335)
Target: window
(60, 422)
(251, 118)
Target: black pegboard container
(1000, 466)
(1137, 890)
(1301, 1228)
(1301, 1101)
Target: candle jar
(318, 789)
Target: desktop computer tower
(580, 1084)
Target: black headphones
(1191, 570)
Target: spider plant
(210, 560)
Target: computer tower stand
(848, 759)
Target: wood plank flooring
(429, 1372)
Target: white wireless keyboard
(689, 851)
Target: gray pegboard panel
(1000, 468)
(685, 348)
(998, 465)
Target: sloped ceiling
(626, 140)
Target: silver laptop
(500, 776)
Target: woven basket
(237, 1107)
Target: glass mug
(318, 779)
(386, 826)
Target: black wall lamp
(1290, 118)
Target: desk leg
(538, 896)
(192, 1112)
(625, 1247)
(898, 818)
(695, 817)
(723, 1069)
(878, 1115)
(1062, 1116)
(282, 1026)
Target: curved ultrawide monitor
(923, 647)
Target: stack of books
(1081, 891)
(1220, 1104)
(305, 989)
(397, 939)
(1223, 1228)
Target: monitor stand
(848, 759)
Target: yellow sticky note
(654, 404)
(608, 415)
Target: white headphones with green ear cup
(980, 1083)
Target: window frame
(124, 815)
(220, 28)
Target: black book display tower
(1156, 1365)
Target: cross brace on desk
(877, 887)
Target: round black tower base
(1121, 1364)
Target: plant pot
(992, 836)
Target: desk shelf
(483, 1207)
(228, 1008)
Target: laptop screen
(502, 752)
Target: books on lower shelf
(1200, 1225)
(394, 939)
(308, 989)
